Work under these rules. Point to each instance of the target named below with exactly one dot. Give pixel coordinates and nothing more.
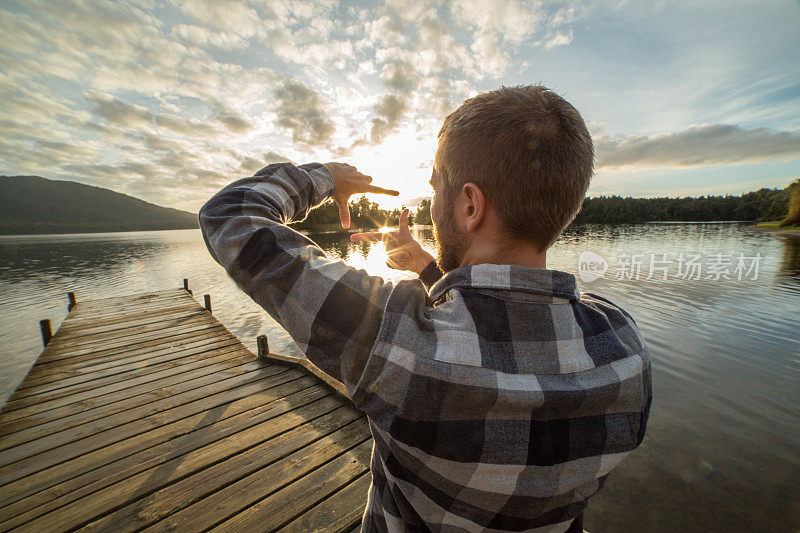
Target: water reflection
(721, 449)
(789, 269)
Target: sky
(170, 101)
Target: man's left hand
(404, 252)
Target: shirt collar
(552, 283)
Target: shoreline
(791, 230)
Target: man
(500, 397)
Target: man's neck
(504, 252)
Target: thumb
(403, 224)
(344, 213)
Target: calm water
(721, 451)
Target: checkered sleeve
(430, 275)
(331, 310)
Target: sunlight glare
(402, 161)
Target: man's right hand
(347, 182)
(404, 252)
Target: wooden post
(207, 299)
(72, 302)
(186, 286)
(263, 345)
(47, 333)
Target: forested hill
(32, 204)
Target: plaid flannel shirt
(498, 399)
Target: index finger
(403, 224)
(381, 190)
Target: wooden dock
(144, 412)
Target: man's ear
(473, 206)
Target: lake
(718, 303)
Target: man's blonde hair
(530, 153)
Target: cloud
(559, 39)
(250, 164)
(115, 110)
(229, 15)
(414, 203)
(705, 145)
(230, 119)
(390, 109)
(513, 19)
(400, 76)
(202, 36)
(301, 110)
(131, 115)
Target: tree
(793, 218)
(423, 214)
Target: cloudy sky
(170, 101)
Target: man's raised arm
(331, 310)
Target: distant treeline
(760, 205)
(763, 204)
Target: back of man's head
(530, 153)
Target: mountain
(32, 204)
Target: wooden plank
(295, 462)
(46, 449)
(186, 348)
(42, 374)
(139, 361)
(81, 328)
(187, 478)
(92, 363)
(87, 327)
(169, 336)
(78, 342)
(93, 309)
(284, 505)
(340, 512)
(302, 362)
(135, 384)
(100, 436)
(83, 313)
(89, 365)
(15, 429)
(113, 364)
(178, 321)
(67, 482)
(140, 298)
(191, 358)
(197, 323)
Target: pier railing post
(72, 302)
(207, 299)
(263, 345)
(186, 285)
(47, 333)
